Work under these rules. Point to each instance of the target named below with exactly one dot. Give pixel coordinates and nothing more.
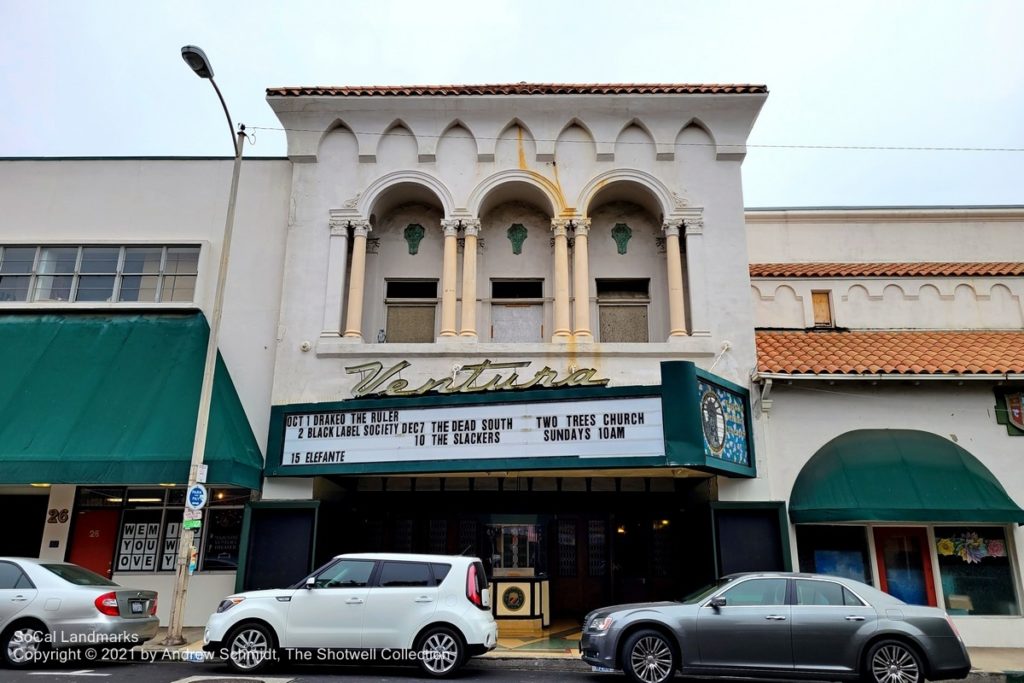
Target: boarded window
(622, 307)
(517, 322)
(410, 324)
(822, 309)
(517, 310)
(411, 306)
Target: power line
(883, 148)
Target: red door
(94, 540)
(905, 564)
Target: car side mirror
(311, 582)
(717, 602)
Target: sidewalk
(990, 664)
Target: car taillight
(107, 604)
(473, 587)
(152, 608)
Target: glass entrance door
(905, 564)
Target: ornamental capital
(672, 227)
(471, 226)
(360, 228)
(581, 226)
(450, 226)
(694, 225)
(560, 226)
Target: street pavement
(215, 672)
(168, 667)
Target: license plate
(137, 606)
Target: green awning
(898, 475)
(112, 399)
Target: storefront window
(835, 551)
(974, 568)
(150, 525)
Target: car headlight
(600, 625)
(228, 603)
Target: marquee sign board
(693, 419)
(622, 427)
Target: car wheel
(647, 657)
(893, 661)
(440, 652)
(24, 645)
(250, 648)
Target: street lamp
(197, 61)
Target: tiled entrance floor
(563, 638)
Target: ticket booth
(520, 589)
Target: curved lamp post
(197, 61)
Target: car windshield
(704, 592)
(79, 576)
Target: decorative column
(357, 275)
(471, 228)
(337, 254)
(581, 281)
(563, 332)
(676, 307)
(451, 233)
(696, 275)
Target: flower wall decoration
(970, 547)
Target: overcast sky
(103, 78)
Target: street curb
(567, 665)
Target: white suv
(433, 610)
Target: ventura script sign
(598, 428)
(483, 376)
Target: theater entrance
(561, 545)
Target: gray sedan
(49, 606)
(778, 625)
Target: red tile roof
(520, 89)
(924, 269)
(870, 352)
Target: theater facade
(502, 334)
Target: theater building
(502, 333)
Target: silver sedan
(49, 606)
(778, 625)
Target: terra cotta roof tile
(889, 352)
(520, 89)
(923, 269)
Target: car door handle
(424, 598)
(19, 599)
(854, 617)
(354, 601)
(775, 617)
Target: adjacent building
(531, 322)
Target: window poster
(139, 541)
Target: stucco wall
(139, 201)
(937, 303)
(524, 160)
(884, 236)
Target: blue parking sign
(196, 497)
